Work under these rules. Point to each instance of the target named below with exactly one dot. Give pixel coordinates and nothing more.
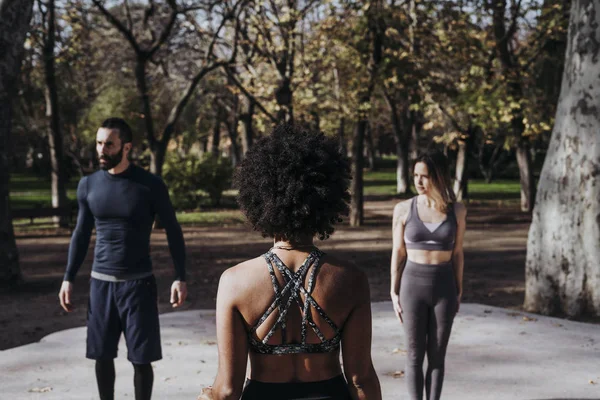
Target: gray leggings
(428, 301)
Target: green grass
(383, 183)
(29, 191)
(210, 218)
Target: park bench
(45, 212)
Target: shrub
(188, 178)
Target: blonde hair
(439, 175)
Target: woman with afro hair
(292, 309)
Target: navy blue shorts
(129, 307)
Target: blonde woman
(426, 272)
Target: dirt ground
(495, 248)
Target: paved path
(493, 354)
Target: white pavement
(493, 354)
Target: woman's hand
(397, 307)
(458, 300)
(206, 394)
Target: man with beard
(121, 201)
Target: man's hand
(397, 307)
(65, 296)
(178, 293)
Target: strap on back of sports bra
(293, 288)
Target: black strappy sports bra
(283, 300)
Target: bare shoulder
(235, 279)
(346, 273)
(401, 209)
(460, 211)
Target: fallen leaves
(398, 351)
(40, 390)
(397, 374)
(526, 318)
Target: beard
(109, 162)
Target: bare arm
(356, 347)
(232, 342)
(458, 258)
(398, 254)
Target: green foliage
(190, 178)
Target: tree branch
(120, 27)
(237, 83)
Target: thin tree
(376, 32)
(14, 24)
(145, 54)
(563, 249)
(55, 136)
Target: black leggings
(330, 389)
(429, 300)
(143, 378)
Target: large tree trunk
(14, 24)
(55, 137)
(356, 186)
(563, 249)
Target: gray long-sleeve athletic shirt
(123, 207)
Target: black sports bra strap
(293, 285)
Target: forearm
(458, 263)
(225, 389)
(365, 388)
(396, 269)
(78, 248)
(177, 250)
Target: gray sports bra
(283, 300)
(419, 235)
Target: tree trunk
(158, 151)
(356, 186)
(526, 176)
(402, 168)
(55, 137)
(402, 148)
(370, 147)
(461, 176)
(216, 137)
(283, 95)
(14, 24)
(235, 148)
(376, 33)
(341, 136)
(246, 116)
(563, 250)
(512, 75)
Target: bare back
(338, 288)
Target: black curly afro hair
(294, 183)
